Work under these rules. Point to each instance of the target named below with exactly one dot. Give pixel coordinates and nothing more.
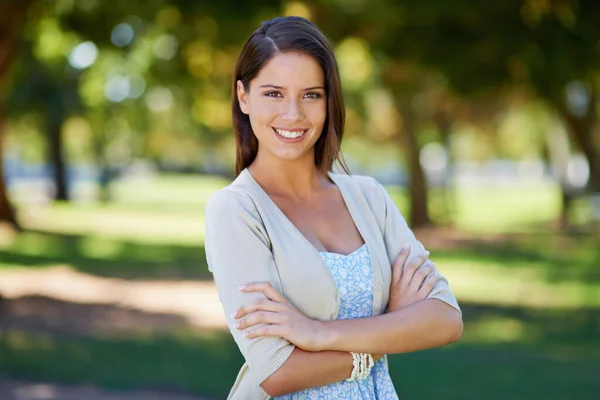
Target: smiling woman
(318, 273)
(283, 110)
(290, 78)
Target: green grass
(530, 297)
(490, 209)
(191, 362)
(557, 357)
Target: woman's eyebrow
(270, 85)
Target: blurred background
(481, 118)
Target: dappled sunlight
(493, 283)
(140, 227)
(496, 209)
(499, 329)
(196, 302)
(571, 330)
(104, 256)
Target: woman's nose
(293, 111)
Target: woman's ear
(242, 97)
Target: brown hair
(273, 37)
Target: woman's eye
(273, 94)
(313, 95)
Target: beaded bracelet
(361, 366)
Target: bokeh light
(117, 88)
(165, 47)
(122, 35)
(83, 55)
(159, 99)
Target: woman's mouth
(291, 135)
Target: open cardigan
(249, 239)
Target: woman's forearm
(422, 325)
(305, 369)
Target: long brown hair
(273, 37)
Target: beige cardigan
(249, 239)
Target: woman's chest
(327, 226)
(307, 281)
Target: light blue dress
(354, 278)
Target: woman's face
(287, 106)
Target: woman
(318, 273)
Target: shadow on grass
(107, 345)
(40, 314)
(537, 354)
(107, 257)
(193, 364)
(560, 257)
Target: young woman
(318, 272)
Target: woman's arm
(310, 369)
(414, 322)
(238, 251)
(422, 325)
(307, 369)
(396, 234)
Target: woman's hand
(411, 282)
(281, 319)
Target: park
(481, 120)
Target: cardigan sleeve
(238, 252)
(397, 233)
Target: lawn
(530, 296)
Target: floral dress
(354, 278)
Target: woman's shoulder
(232, 199)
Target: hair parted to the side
(281, 35)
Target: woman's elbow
(272, 386)
(455, 330)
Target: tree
(550, 48)
(12, 18)
(481, 49)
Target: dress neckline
(345, 255)
(331, 175)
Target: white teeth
(288, 134)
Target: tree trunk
(12, 16)
(56, 157)
(557, 144)
(419, 215)
(582, 133)
(99, 147)
(6, 211)
(444, 124)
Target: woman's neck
(296, 179)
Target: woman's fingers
(257, 305)
(267, 330)
(411, 268)
(430, 282)
(399, 262)
(259, 317)
(421, 274)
